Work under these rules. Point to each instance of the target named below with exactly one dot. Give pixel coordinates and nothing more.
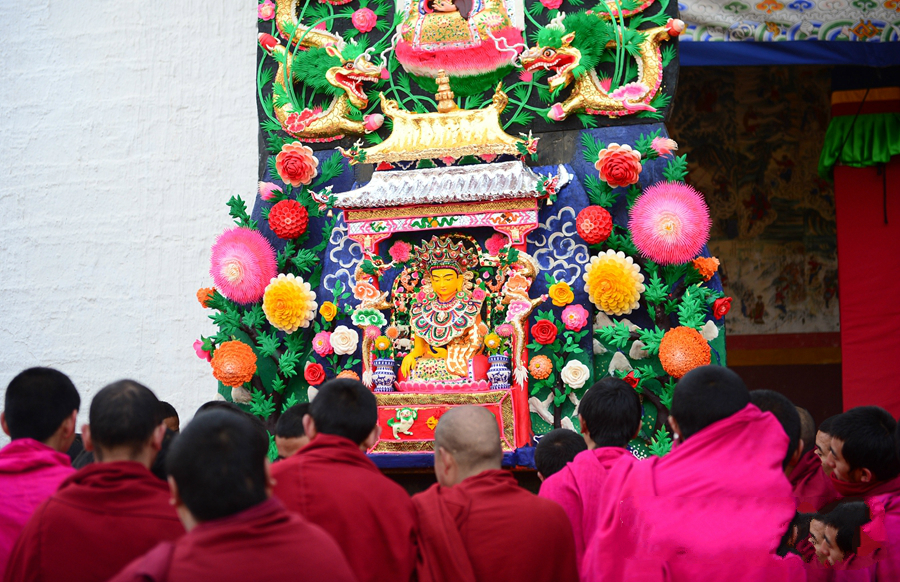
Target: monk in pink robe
(811, 485)
(610, 416)
(715, 507)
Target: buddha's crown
(443, 253)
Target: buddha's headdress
(443, 253)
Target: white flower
(575, 374)
(344, 340)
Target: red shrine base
(515, 428)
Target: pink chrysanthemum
(669, 223)
(242, 264)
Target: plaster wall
(124, 128)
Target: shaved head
(470, 434)
(807, 429)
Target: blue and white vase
(499, 372)
(384, 375)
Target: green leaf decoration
(305, 260)
(587, 120)
(229, 322)
(260, 405)
(599, 192)
(238, 211)
(659, 102)
(296, 341)
(669, 392)
(282, 258)
(591, 147)
(633, 192)
(268, 344)
(255, 317)
(270, 126)
(330, 169)
(615, 335)
(651, 339)
(662, 444)
(559, 398)
(660, 19)
(272, 453)
(278, 385)
(287, 363)
(668, 53)
(644, 143)
(290, 401)
(690, 312)
(655, 291)
(676, 169)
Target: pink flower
(551, 4)
(420, 296)
(478, 294)
(297, 122)
(322, 344)
(201, 353)
(399, 251)
(267, 190)
(619, 165)
(669, 223)
(296, 164)
(372, 332)
(575, 317)
(495, 243)
(505, 330)
(373, 122)
(242, 263)
(517, 308)
(266, 10)
(663, 145)
(525, 76)
(364, 20)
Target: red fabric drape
(869, 279)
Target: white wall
(124, 128)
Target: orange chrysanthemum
(540, 367)
(233, 363)
(204, 294)
(681, 350)
(706, 266)
(348, 374)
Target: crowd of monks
(751, 491)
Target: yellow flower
(561, 294)
(614, 283)
(382, 343)
(431, 423)
(289, 303)
(328, 311)
(492, 341)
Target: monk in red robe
(715, 507)
(610, 416)
(811, 486)
(220, 482)
(476, 523)
(109, 512)
(865, 465)
(40, 408)
(334, 485)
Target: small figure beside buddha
(445, 317)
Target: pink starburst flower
(663, 145)
(669, 223)
(242, 264)
(399, 251)
(495, 243)
(574, 317)
(372, 332)
(267, 190)
(322, 344)
(505, 330)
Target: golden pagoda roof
(455, 133)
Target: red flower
(721, 307)
(364, 19)
(296, 164)
(288, 219)
(551, 4)
(632, 381)
(594, 224)
(544, 332)
(314, 374)
(297, 122)
(619, 165)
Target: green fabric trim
(872, 139)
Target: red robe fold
(487, 528)
(334, 485)
(265, 543)
(883, 565)
(580, 489)
(715, 508)
(811, 486)
(101, 518)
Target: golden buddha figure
(445, 317)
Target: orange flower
(681, 350)
(392, 332)
(296, 164)
(619, 165)
(540, 367)
(328, 311)
(365, 291)
(517, 284)
(348, 374)
(706, 266)
(233, 363)
(204, 294)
